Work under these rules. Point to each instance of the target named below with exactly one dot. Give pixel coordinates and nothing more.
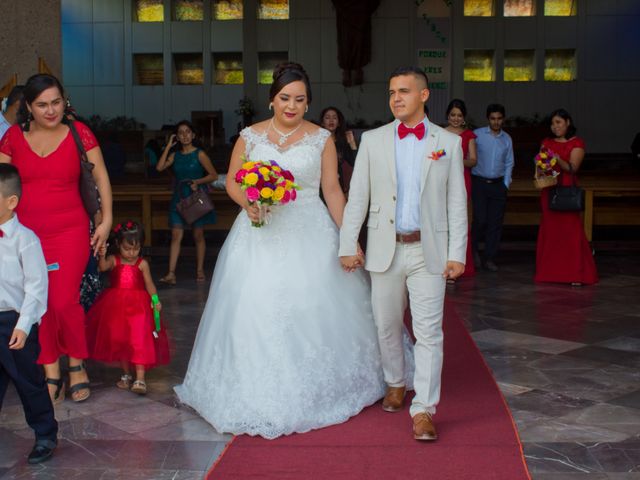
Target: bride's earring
(306, 108)
(271, 106)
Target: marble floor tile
(194, 429)
(560, 458)
(606, 355)
(627, 344)
(192, 455)
(508, 389)
(631, 400)
(529, 342)
(556, 430)
(144, 417)
(608, 416)
(549, 403)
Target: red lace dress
(51, 206)
(120, 322)
(563, 254)
(467, 136)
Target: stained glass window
(266, 63)
(149, 11)
(188, 10)
(519, 66)
(228, 69)
(188, 68)
(560, 8)
(148, 69)
(273, 10)
(478, 66)
(227, 9)
(478, 8)
(519, 8)
(560, 65)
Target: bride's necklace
(283, 136)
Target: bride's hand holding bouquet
(265, 184)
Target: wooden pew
(610, 201)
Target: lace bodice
(302, 158)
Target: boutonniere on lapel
(437, 154)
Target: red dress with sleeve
(120, 322)
(563, 254)
(467, 136)
(51, 206)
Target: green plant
(97, 123)
(245, 108)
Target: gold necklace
(283, 136)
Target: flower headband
(127, 226)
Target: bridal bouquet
(267, 184)
(545, 175)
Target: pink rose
(240, 175)
(293, 195)
(253, 194)
(286, 197)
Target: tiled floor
(567, 360)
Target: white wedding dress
(287, 341)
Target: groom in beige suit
(409, 177)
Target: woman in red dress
(45, 153)
(563, 254)
(456, 113)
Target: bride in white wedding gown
(287, 341)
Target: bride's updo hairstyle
(286, 73)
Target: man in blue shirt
(491, 178)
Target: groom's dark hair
(415, 71)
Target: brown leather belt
(412, 237)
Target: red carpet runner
(477, 437)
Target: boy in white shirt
(23, 301)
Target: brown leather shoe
(423, 427)
(394, 399)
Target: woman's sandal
(200, 277)
(58, 395)
(125, 382)
(80, 391)
(139, 387)
(169, 279)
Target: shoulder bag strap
(76, 138)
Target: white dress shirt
(410, 157)
(23, 274)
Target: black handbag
(195, 206)
(567, 199)
(88, 188)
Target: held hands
(453, 270)
(18, 339)
(99, 239)
(351, 263)
(157, 306)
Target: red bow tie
(418, 131)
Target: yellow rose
(276, 169)
(264, 171)
(278, 194)
(251, 179)
(543, 155)
(539, 163)
(248, 165)
(289, 185)
(266, 192)
(553, 162)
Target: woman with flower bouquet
(287, 341)
(563, 254)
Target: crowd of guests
(46, 241)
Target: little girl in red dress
(121, 323)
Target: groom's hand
(351, 262)
(453, 270)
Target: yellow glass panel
(519, 66)
(227, 10)
(189, 68)
(149, 68)
(519, 8)
(188, 10)
(478, 66)
(266, 64)
(149, 10)
(228, 69)
(560, 8)
(273, 10)
(478, 8)
(560, 65)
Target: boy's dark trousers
(20, 366)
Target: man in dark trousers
(491, 178)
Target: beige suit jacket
(443, 201)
